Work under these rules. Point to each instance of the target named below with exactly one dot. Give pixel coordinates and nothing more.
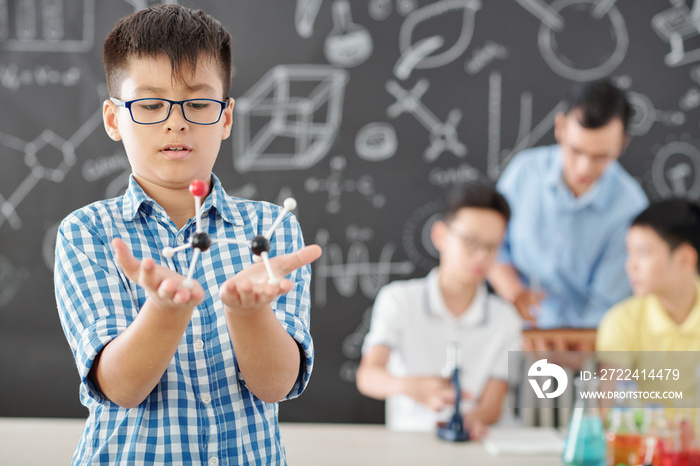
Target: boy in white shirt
(414, 321)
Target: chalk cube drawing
(289, 119)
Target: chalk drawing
(695, 74)
(13, 77)
(405, 7)
(379, 10)
(45, 26)
(485, 55)
(598, 14)
(453, 176)
(416, 235)
(376, 142)
(415, 54)
(443, 136)
(48, 157)
(335, 186)
(675, 26)
(104, 167)
(497, 159)
(356, 271)
(690, 100)
(676, 170)
(348, 44)
(645, 115)
(305, 17)
(299, 127)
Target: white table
(32, 441)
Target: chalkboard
(367, 112)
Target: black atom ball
(201, 241)
(260, 244)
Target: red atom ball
(198, 188)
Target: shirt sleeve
(384, 324)
(293, 308)
(508, 185)
(93, 302)
(609, 283)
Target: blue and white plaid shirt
(201, 411)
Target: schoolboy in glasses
(415, 321)
(171, 374)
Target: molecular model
(200, 241)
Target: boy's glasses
(152, 111)
(473, 245)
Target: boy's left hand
(249, 290)
(477, 428)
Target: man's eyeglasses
(473, 245)
(597, 160)
(152, 111)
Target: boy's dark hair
(181, 34)
(676, 221)
(599, 102)
(477, 195)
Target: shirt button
(199, 344)
(213, 461)
(180, 238)
(206, 399)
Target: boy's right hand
(434, 392)
(162, 284)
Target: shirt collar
(660, 322)
(218, 200)
(135, 197)
(475, 314)
(553, 176)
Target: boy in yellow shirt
(662, 266)
(664, 313)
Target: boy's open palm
(250, 289)
(162, 284)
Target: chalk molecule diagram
(201, 241)
(443, 136)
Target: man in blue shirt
(173, 373)
(562, 260)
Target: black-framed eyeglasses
(152, 111)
